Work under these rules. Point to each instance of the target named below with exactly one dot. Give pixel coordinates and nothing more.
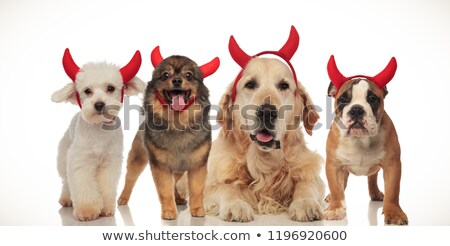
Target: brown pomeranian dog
(177, 133)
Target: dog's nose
(267, 113)
(177, 82)
(356, 112)
(99, 106)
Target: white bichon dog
(90, 152)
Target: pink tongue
(178, 103)
(263, 137)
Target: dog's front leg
(305, 205)
(336, 181)
(196, 183)
(165, 185)
(85, 194)
(393, 214)
(108, 179)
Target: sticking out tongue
(178, 103)
(264, 137)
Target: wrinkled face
(177, 79)
(359, 106)
(266, 102)
(100, 88)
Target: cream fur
(244, 179)
(90, 152)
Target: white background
(363, 36)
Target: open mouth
(177, 98)
(266, 139)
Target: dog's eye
(189, 76)
(111, 88)
(283, 86)
(88, 92)
(372, 99)
(250, 85)
(343, 99)
(165, 75)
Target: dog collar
(381, 79)
(161, 100)
(127, 72)
(286, 53)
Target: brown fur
(175, 142)
(337, 172)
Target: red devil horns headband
(286, 53)
(380, 79)
(128, 71)
(207, 69)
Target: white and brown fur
(246, 177)
(363, 146)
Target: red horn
(131, 69)
(239, 56)
(210, 67)
(387, 74)
(156, 57)
(291, 44)
(69, 65)
(336, 77)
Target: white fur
(359, 155)
(90, 152)
(359, 97)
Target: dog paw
(305, 210)
(211, 207)
(334, 214)
(168, 214)
(237, 211)
(65, 202)
(107, 212)
(86, 213)
(122, 201)
(395, 216)
(327, 198)
(198, 212)
(377, 196)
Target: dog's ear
(385, 91)
(134, 86)
(309, 114)
(66, 94)
(224, 117)
(332, 90)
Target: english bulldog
(362, 140)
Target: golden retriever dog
(260, 164)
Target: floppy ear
(309, 114)
(135, 86)
(385, 91)
(224, 117)
(66, 94)
(332, 90)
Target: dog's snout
(267, 114)
(99, 106)
(177, 82)
(356, 112)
